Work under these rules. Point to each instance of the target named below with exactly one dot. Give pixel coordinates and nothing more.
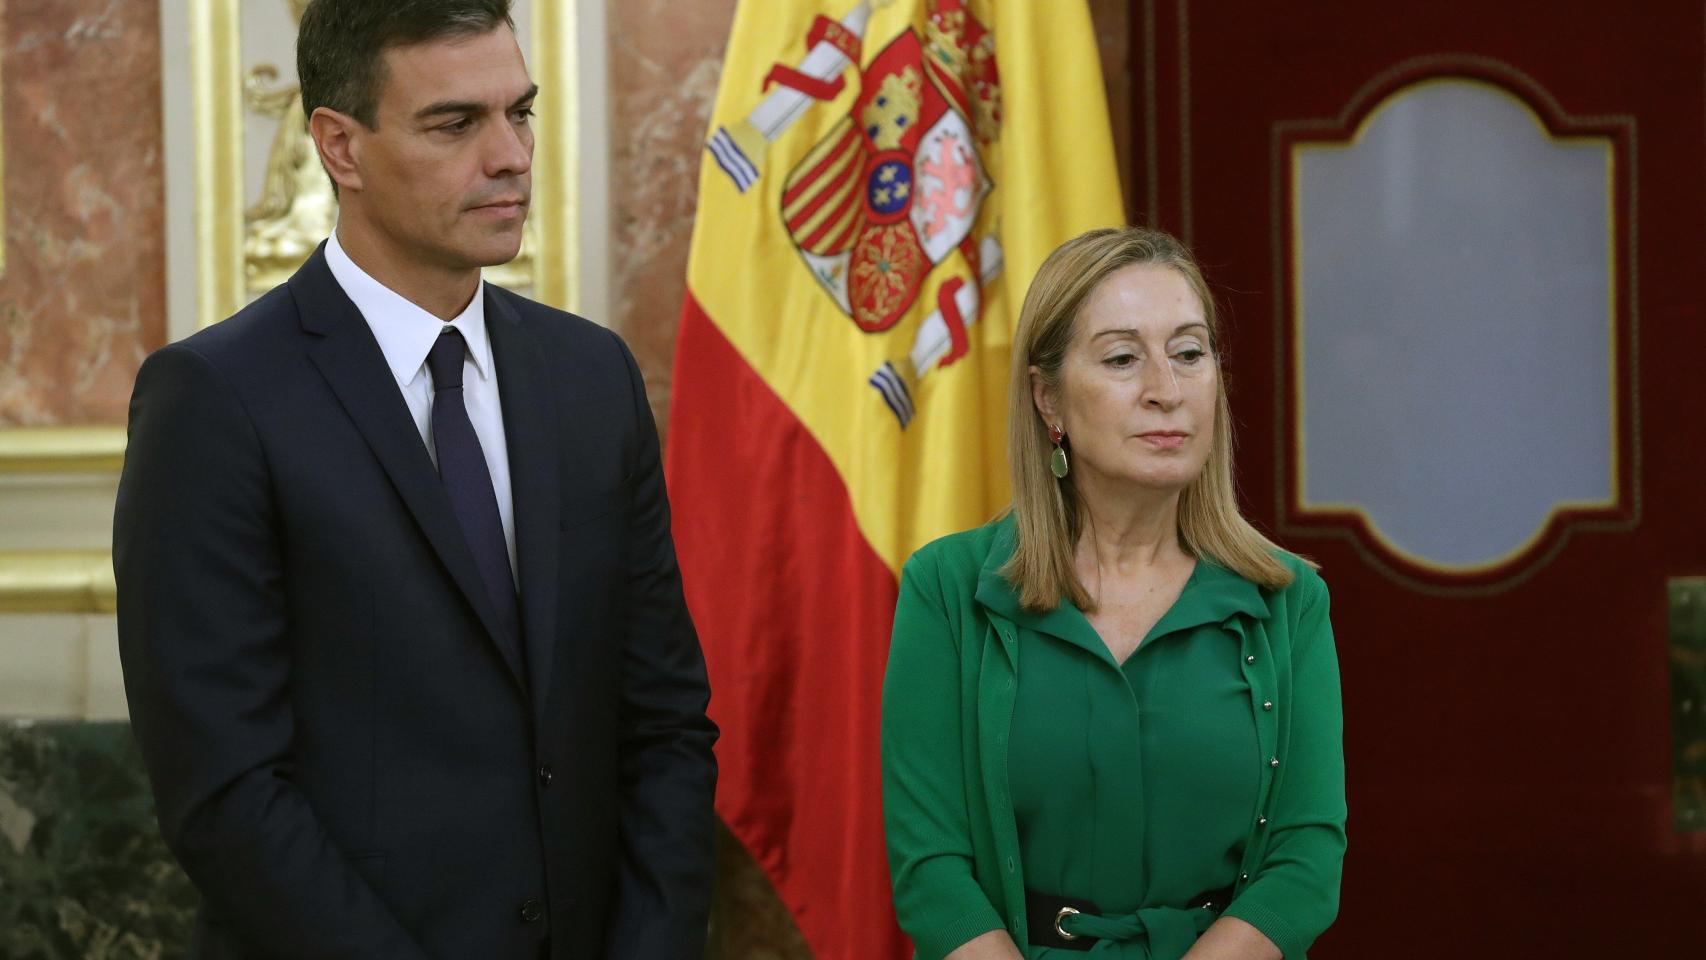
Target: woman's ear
(1042, 396)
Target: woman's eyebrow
(1134, 332)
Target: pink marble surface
(83, 296)
(664, 82)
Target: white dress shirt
(406, 334)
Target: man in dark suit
(401, 623)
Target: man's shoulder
(249, 336)
(558, 326)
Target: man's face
(446, 177)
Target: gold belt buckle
(1062, 915)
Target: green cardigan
(953, 843)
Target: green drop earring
(1057, 460)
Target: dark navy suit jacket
(345, 759)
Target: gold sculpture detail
(296, 208)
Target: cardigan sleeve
(1294, 894)
(938, 902)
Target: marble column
(83, 294)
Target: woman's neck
(1127, 530)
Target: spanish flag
(880, 180)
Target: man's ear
(337, 137)
(1042, 396)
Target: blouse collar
(1213, 594)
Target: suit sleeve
(201, 621)
(938, 901)
(667, 770)
(1294, 895)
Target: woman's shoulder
(967, 550)
(950, 567)
(1305, 577)
(1305, 589)
(1305, 595)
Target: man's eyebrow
(443, 107)
(470, 107)
(532, 92)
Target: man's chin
(495, 251)
(498, 260)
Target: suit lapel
(348, 356)
(531, 429)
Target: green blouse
(1016, 753)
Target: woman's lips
(1164, 440)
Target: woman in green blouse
(1111, 719)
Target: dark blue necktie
(462, 469)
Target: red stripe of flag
(814, 87)
(810, 243)
(949, 85)
(800, 219)
(794, 611)
(804, 184)
(843, 238)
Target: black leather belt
(1044, 913)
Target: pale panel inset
(1454, 304)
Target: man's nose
(509, 151)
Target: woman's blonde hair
(1048, 514)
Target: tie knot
(444, 360)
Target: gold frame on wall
(555, 212)
(58, 581)
(61, 450)
(216, 104)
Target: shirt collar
(1213, 594)
(406, 332)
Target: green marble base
(83, 871)
(84, 874)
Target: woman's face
(1137, 388)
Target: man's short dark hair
(339, 47)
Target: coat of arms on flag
(896, 186)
